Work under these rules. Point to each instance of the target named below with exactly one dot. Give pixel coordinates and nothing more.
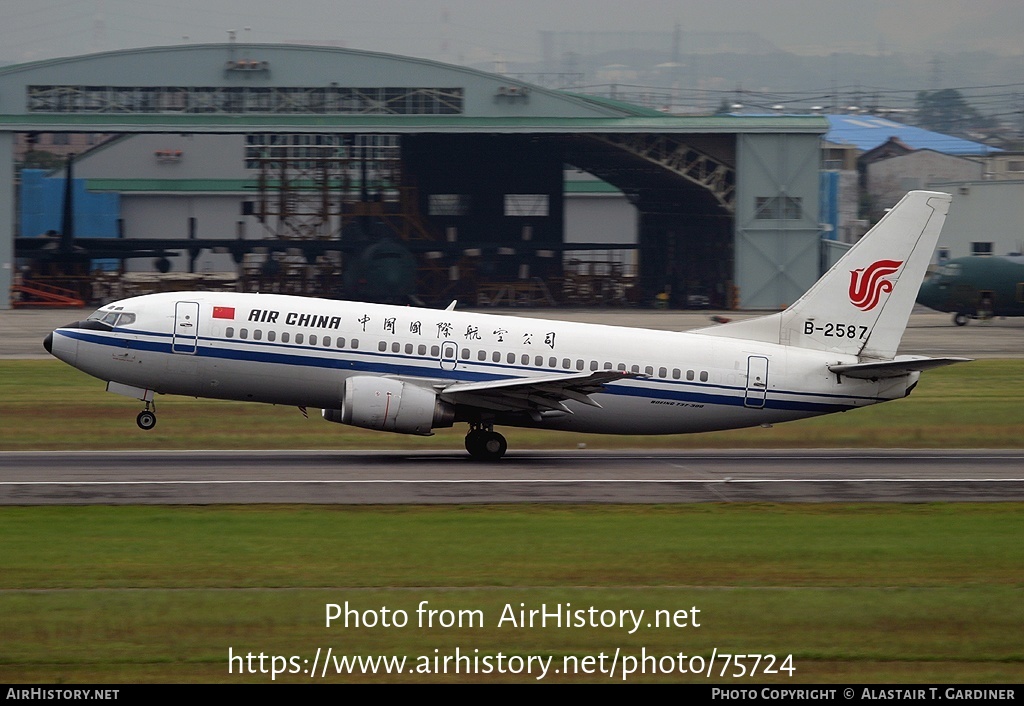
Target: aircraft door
(449, 355)
(757, 382)
(186, 328)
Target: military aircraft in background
(411, 370)
(978, 287)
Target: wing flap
(548, 392)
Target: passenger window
(312, 340)
(525, 360)
(396, 347)
(496, 356)
(622, 367)
(663, 372)
(327, 341)
(408, 349)
(257, 335)
(635, 369)
(552, 362)
(607, 365)
(689, 375)
(465, 354)
(382, 346)
(511, 358)
(435, 351)
(566, 363)
(593, 365)
(299, 338)
(244, 333)
(649, 370)
(481, 356)
(703, 375)
(340, 343)
(422, 350)
(229, 332)
(539, 361)
(579, 364)
(272, 336)
(285, 337)
(675, 373)
(355, 343)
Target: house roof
(866, 132)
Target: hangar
(727, 205)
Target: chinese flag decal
(224, 312)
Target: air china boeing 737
(411, 370)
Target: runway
(585, 476)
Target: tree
(38, 159)
(946, 111)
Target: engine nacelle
(386, 404)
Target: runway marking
(501, 481)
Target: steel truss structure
(677, 156)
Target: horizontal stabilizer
(899, 367)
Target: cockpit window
(946, 274)
(112, 318)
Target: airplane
(976, 287)
(412, 370)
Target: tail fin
(861, 306)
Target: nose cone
(61, 345)
(930, 296)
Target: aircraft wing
(902, 365)
(548, 392)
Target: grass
(49, 405)
(856, 593)
(870, 593)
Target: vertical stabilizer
(861, 306)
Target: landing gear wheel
(960, 319)
(494, 445)
(146, 420)
(485, 445)
(474, 444)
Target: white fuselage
(300, 351)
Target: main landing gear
(485, 444)
(147, 417)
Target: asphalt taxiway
(585, 476)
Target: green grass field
(871, 593)
(855, 593)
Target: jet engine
(386, 404)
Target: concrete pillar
(7, 215)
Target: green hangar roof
(271, 87)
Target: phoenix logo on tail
(867, 285)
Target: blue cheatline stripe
(414, 370)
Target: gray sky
(477, 31)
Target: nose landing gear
(485, 444)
